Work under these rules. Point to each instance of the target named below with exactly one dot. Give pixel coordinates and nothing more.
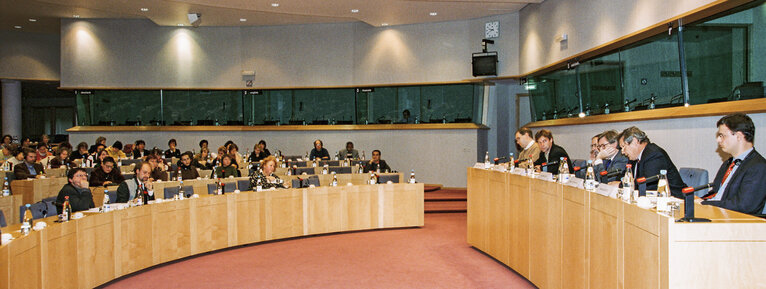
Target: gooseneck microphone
(689, 190)
(651, 179)
(497, 160)
(614, 172)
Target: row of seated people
(739, 184)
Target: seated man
(188, 171)
(530, 150)
(592, 156)
(115, 151)
(142, 183)
(648, 159)
(140, 151)
(319, 152)
(376, 163)
(550, 152)
(349, 152)
(80, 197)
(172, 151)
(106, 174)
(158, 172)
(740, 183)
(406, 117)
(609, 158)
(29, 169)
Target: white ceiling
(256, 12)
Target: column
(11, 107)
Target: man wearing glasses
(106, 174)
(609, 158)
(80, 197)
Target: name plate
(519, 171)
(479, 166)
(546, 176)
(499, 168)
(576, 182)
(607, 190)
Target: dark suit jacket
(98, 177)
(654, 159)
(137, 153)
(746, 190)
(620, 161)
(555, 155)
(79, 200)
(374, 167)
(21, 172)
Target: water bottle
(6, 188)
(105, 204)
(511, 163)
(26, 224)
(590, 178)
(372, 180)
(119, 162)
(66, 210)
(663, 193)
(361, 169)
(325, 169)
(180, 189)
(219, 187)
(563, 170)
(606, 108)
(412, 177)
(258, 185)
(627, 184)
(363, 158)
(530, 168)
(334, 182)
(487, 165)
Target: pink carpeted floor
(435, 256)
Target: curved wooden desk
(559, 236)
(103, 246)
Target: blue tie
(608, 162)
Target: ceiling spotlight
(242, 19)
(433, 14)
(17, 26)
(76, 16)
(274, 4)
(32, 20)
(144, 9)
(384, 24)
(354, 10)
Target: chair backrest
(293, 158)
(695, 177)
(128, 162)
(385, 178)
(296, 183)
(229, 187)
(305, 182)
(308, 171)
(129, 176)
(340, 170)
(3, 224)
(39, 210)
(112, 196)
(358, 162)
(50, 199)
(243, 185)
(329, 163)
(301, 164)
(314, 180)
(170, 192)
(211, 189)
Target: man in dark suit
(28, 169)
(376, 163)
(609, 158)
(648, 159)
(80, 197)
(140, 151)
(740, 184)
(142, 183)
(549, 152)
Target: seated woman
(202, 160)
(157, 168)
(239, 162)
(266, 177)
(187, 169)
(80, 153)
(226, 169)
(62, 159)
(106, 174)
(172, 151)
(18, 157)
(258, 154)
(102, 154)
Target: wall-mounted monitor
(484, 64)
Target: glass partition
(431, 103)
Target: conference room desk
(558, 236)
(100, 247)
(35, 190)
(10, 207)
(343, 179)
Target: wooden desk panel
(104, 246)
(10, 207)
(564, 237)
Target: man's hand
(107, 183)
(149, 185)
(606, 153)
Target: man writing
(740, 182)
(28, 169)
(80, 197)
(530, 150)
(129, 190)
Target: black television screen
(484, 64)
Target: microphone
(651, 179)
(550, 163)
(576, 168)
(689, 190)
(497, 160)
(519, 160)
(611, 173)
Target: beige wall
(29, 55)
(137, 53)
(588, 23)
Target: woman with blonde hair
(266, 177)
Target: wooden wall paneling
(171, 231)
(209, 224)
(249, 217)
(324, 210)
(545, 236)
(359, 207)
(284, 213)
(60, 256)
(575, 233)
(25, 255)
(519, 194)
(477, 217)
(499, 217)
(5, 268)
(95, 250)
(642, 247)
(136, 246)
(605, 242)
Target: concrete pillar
(11, 107)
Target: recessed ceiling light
(433, 14)
(354, 10)
(384, 24)
(76, 16)
(274, 4)
(242, 19)
(32, 20)
(144, 9)
(17, 26)
(180, 24)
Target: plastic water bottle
(627, 184)
(372, 180)
(66, 210)
(412, 177)
(563, 170)
(26, 224)
(334, 182)
(486, 161)
(6, 188)
(590, 178)
(219, 187)
(325, 168)
(663, 193)
(105, 204)
(511, 163)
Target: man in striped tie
(740, 184)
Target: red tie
(725, 176)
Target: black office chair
(3, 224)
(385, 178)
(329, 163)
(171, 192)
(340, 170)
(308, 171)
(39, 210)
(301, 164)
(243, 185)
